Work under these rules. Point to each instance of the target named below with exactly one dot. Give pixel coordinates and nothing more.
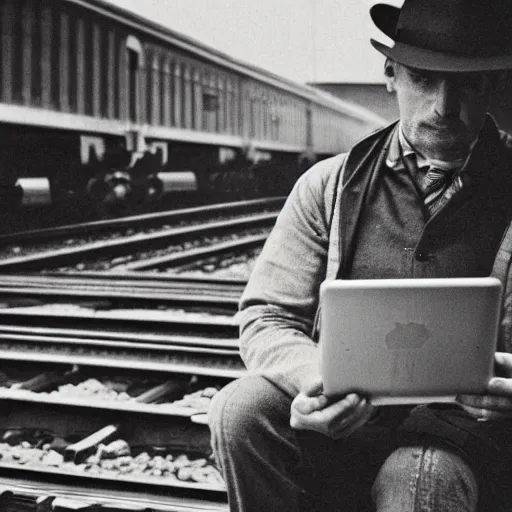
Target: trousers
(268, 466)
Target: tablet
(406, 341)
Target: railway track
(147, 392)
(17, 494)
(167, 247)
(170, 233)
(106, 379)
(135, 285)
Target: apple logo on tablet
(407, 336)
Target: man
(430, 196)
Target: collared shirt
(400, 149)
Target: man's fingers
(365, 413)
(314, 389)
(335, 410)
(504, 360)
(489, 402)
(332, 419)
(500, 386)
(485, 414)
(307, 404)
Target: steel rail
(27, 350)
(215, 327)
(138, 221)
(127, 498)
(169, 296)
(126, 337)
(127, 480)
(103, 284)
(171, 260)
(89, 341)
(129, 244)
(134, 276)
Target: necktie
(434, 183)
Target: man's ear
(389, 73)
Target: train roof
(200, 49)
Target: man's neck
(424, 160)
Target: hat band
(477, 45)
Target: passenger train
(99, 106)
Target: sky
(302, 40)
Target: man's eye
(421, 78)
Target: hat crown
(459, 27)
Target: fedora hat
(447, 35)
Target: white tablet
(409, 340)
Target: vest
(474, 224)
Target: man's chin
(446, 148)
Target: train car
(101, 108)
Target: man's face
(441, 113)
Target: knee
(243, 408)
(429, 476)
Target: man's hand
(498, 403)
(311, 410)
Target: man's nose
(447, 99)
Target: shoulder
(322, 173)
(316, 189)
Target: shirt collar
(400, 147)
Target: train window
(134, 50)
(88, 46)
(37, 55)
(236, 112)
(265, 117)
(274, 127)
(28, 22)
(133, 70)
(64, 61)
(112, 66)
(252, 117)
(177, 95)
(196, 101)
(229, 107)
(17, 63)
(215, 110)
(166, 91)
(7, 15)
(210, 102)
(210, 107)
(222, 105)
(186, 117)
(98, 71)
(154, 92)
(79, 46)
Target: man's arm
(278, 306)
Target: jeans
(268, 466)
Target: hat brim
(436, 61)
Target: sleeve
(278, 306)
